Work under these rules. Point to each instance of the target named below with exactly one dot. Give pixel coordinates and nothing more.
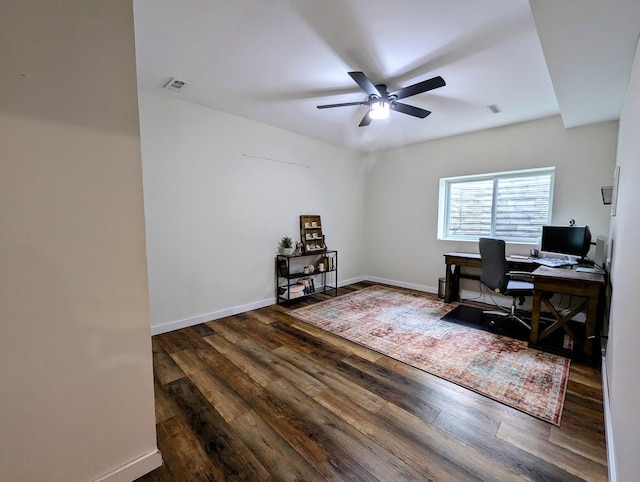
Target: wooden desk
(456, 260)
(550, 281)
(546, 283)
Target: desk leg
(589, 329)
(452, 283)
(535, 316)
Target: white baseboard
(611, 459)
(196, 320)
(402, 284)
(351, 281)
(134, 469)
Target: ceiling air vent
(494, 108)
(175, 85)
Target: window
(509, 205)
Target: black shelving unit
(289, 274)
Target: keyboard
(590, 270)
(556, 262)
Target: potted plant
(286, 245)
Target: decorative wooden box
(311, 234)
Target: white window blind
(510, 205)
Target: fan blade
(329, 106)
(364, 83)
(409, 109)
(419, 88)
(366, 120)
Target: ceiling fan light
(379, 110)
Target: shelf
(314, 253)
(285, 280)
(302, 275)
(318, 291)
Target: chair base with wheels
(506, 316)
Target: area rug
(407, 327)
(558, 343)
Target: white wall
(624, 323)
(77, 390)
(402, 190)
(215, 213)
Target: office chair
(497, 277)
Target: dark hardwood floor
(264, 396)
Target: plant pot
(287, 251)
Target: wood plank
(165, 406)
(223, 447)
(183, 454)
(458, 452)
(221, 327)
(338, 384)
(586, 412)
(587, 375)
(534, 466)
(336, 359)
(579, 399)
(581, 419)
(559, 456)
(368, 454)
(164, 368)
(575, 443)
(305, 342)
(272, 450)
(301, 434)
(184, 339)
(423, 400)
(262, 375)
(420, 458)
(263, 315)
(226, 402)
(201, 330)
(295, 376)
(338, 341)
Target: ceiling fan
(380, 101)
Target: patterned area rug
(407, 327)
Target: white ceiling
(273, 61)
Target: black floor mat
(555, 343)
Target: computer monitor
(571, 240)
